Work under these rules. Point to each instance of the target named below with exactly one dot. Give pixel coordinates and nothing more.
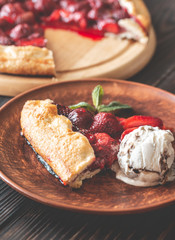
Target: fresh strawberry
(128, 130)
(136, 121)
(105, 148)
(105, 123)
(38, 42)
(81, 118)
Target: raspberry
(105, 148)
(81, 118)
(62, 110)
(105, 123)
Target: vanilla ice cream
(145, 157)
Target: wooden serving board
(78, 57)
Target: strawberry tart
(23, 47)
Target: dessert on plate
(23, 47)
(81, 140)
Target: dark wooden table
(22, 218)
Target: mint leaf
(97, 95)
(83, 105)
(113, 106)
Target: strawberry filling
(90, 18)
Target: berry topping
(106, 123)
(108, 26)
(105, 148)
(11, 10)
(81, 118)
(26, 17)
(29, 5)
(4, 39)
(45, 6)
(20, 31)
(62, 110)
(137, 121)
(37, 42)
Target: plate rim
(61, 205)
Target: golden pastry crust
(27, 60)
(68, 153)
(137, 9)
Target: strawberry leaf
(83, 105)
(113, 106)
(97, 95)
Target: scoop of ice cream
(145, 156)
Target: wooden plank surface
(22, 218)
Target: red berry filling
(92, 18)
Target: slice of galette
(68, 153)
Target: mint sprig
(112, 107)
(83, 105)
(97, 95)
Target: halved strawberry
(127, 131)
(137, 121)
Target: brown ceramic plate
(103, 193)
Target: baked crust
(27, 60)
(139, 11)
(68, 153)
